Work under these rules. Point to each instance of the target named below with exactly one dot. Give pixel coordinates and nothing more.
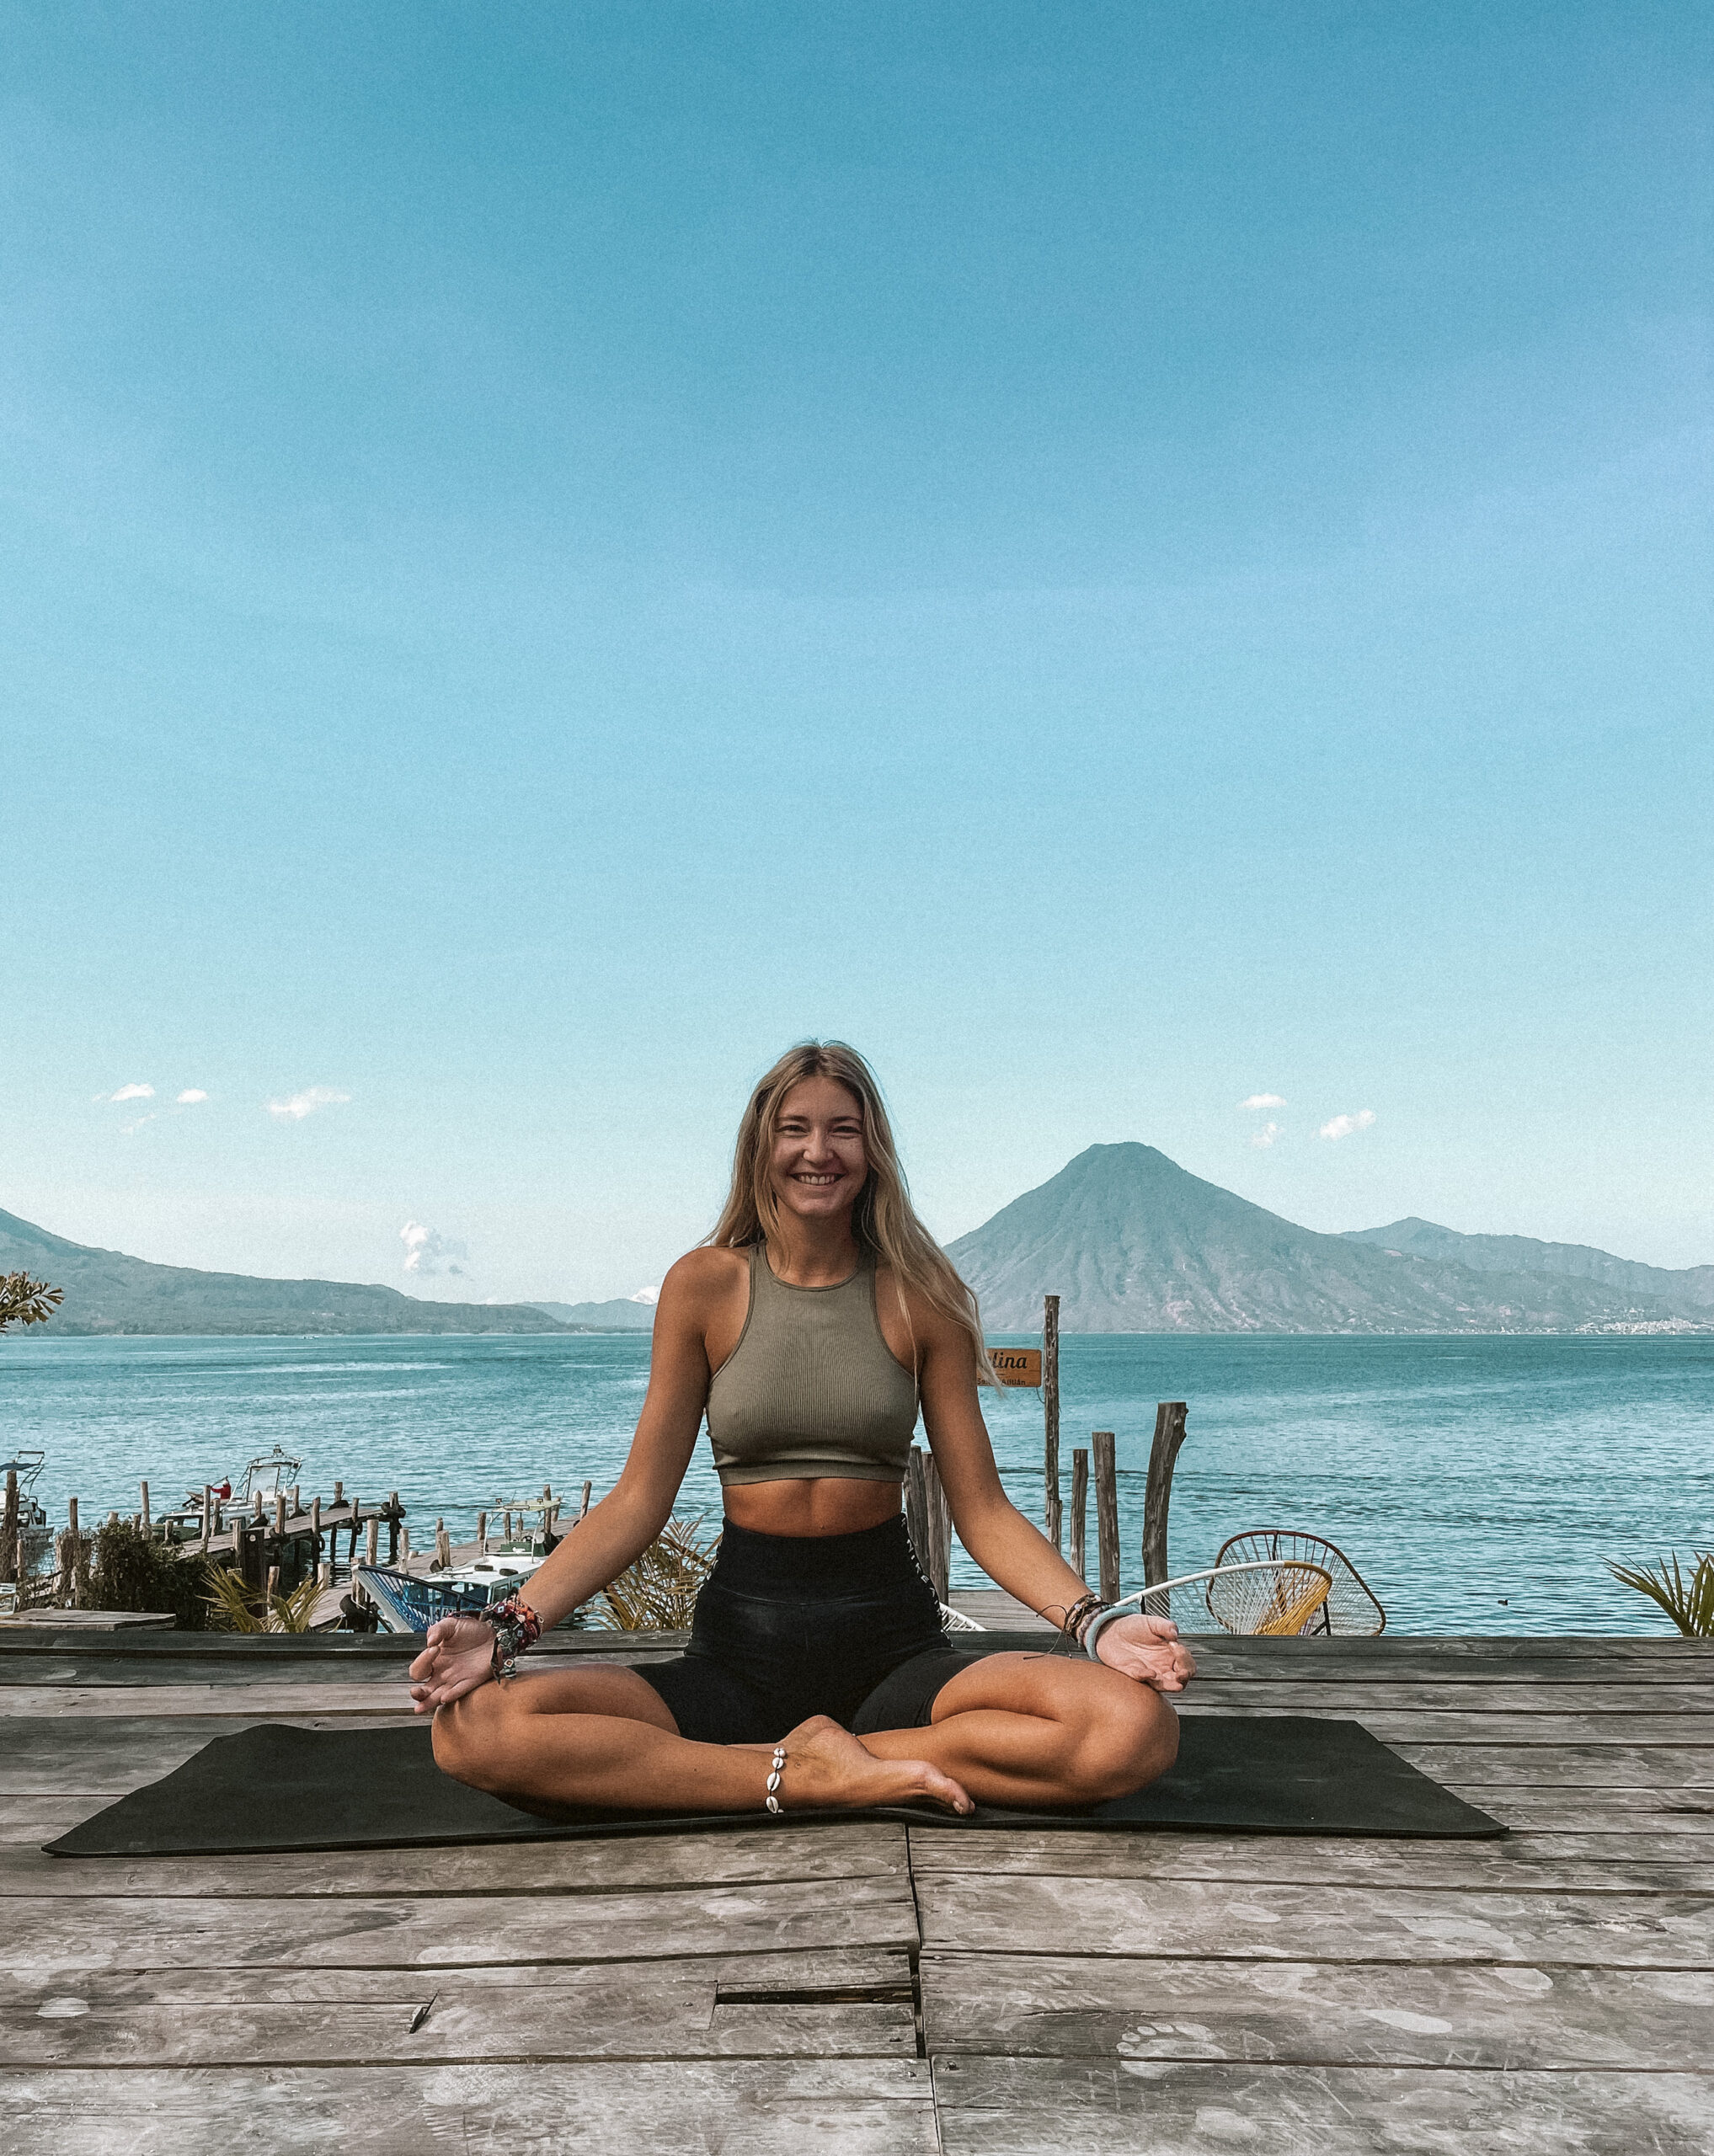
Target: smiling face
(819, 1164)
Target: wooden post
(356, 1529)
(1106, 1468)
(482, 1535)
(1079, 1503)
(147, 1523)
(443, 1545)
(279, 1513)
(338, 1495)
(371, 1546)
(1169, 1435)
(75, 1549)
(395, 1513)
(507, 1530)
(8, 1529)
(1050, 1418)
(928, 1520)
(584, 1509)
(207, 1514)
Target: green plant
(24, 1301)
(1689, 1603)
(130, 1570)
(659, 1593)
(237, 1608)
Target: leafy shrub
(233, 1607)
(130, 1570)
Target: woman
(810, 1328)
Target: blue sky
(1124, 558)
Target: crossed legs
(1031, 1730)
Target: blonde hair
(884, 1220)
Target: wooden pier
(869, 1990)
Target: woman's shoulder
(709, 1270)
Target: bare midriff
(830, 1504)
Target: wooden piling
(207, 1515)
(372, 1545)
(443, 1545)
(8, 1529)
(584, 1509)
(1050, 1418)
(395, 1513)
(1080, 1504)
(1169, 1435)
(146, 1523)
(482, 1535)
(1105, 1467)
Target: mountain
(1688, 1293)
(1131, 1242)
(107, 1292)
(620, 1315)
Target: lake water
(1478, 1484)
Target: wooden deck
(866, 1990)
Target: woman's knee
(469, 1737)
(1127, 1741)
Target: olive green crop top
(811, 1389)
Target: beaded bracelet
(516, 1627)
(1079, 1615)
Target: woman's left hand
(1148, 1649)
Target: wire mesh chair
(1350, 1611)
(1266, 1595)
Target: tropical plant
(237, 1608)
(24, 1301)
(131, 1570)
(659, 1593)
(1689, 1603)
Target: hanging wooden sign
(1016, 1365)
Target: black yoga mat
(276, 1787)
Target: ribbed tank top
(811, 1389)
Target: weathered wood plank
(796, 2005)
(55, 1935)
(265, 1699)
(1258, 1920)
(1512, 1731)
(1314, 2013)
(1608, 1811)
(810, 1854)
(1561, 1766)
(1519, 1865)
(1477, 1695)
(26, 1822)
(861, 2107)
(1040, 2107)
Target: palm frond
(659, 1593)
(1689, 1603)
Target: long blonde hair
(884, 1220)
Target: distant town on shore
(1129, 1240)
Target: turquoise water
(1477, 1483)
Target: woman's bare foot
(828, 1769)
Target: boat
(410, 1602)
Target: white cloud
(427, 1251)
(190, 1096)
(1264, 1101)
(1265, 1136)
(299, 1105)
(1342, 1126)
(129, 1093)
(646, 1295)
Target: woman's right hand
(458, 1658)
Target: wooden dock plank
(1261, 1921)
(1308, 2013)
(58, 1934)
(855, 2107)
(1002, 2106)
(825, 2003)
(1521, 1863)
(829, 1850)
